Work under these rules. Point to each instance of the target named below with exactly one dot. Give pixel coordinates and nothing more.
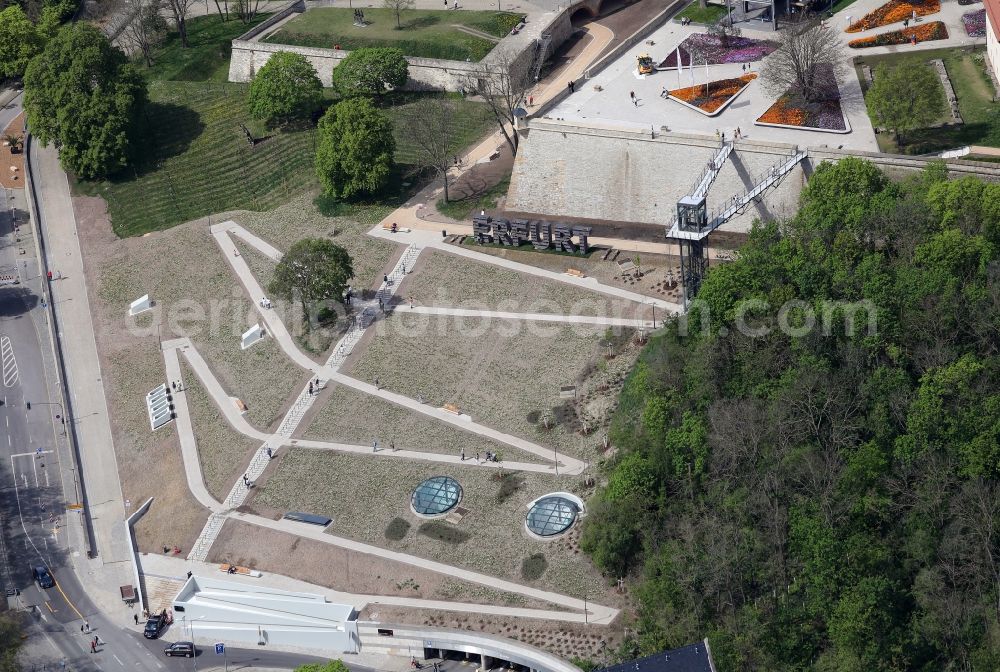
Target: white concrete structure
(232, 612)
(140, 305)
(252, 335)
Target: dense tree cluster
(286, 89)
(824, 496)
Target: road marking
(9, 362)
(71, 605)
(118, 659)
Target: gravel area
(507, 376)
(347, 571)
(442, 279)
(365, 497)
(348, 416)
(224, 453)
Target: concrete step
(160, 592)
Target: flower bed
(710, 48)
(893, 12)
(712, 98)
(825, 116)
(923, 33)
(975, 23)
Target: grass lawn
(195, 161)
(975, 93)
(425, 33)
(704, 15)
(462, 208)
(207, 56)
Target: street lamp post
(62, 414)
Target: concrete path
(535, 317)
(428, 239)
(175, 569)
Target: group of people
(359, 16)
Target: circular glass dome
(436, 496)
(550, 516)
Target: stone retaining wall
(249, 53)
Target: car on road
(41, 575)
(155, 625)
(185, 649)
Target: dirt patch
(567, 640)
(12, 164)
(347, 571)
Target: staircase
(541, 53)
(199, 552)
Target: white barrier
(252, 335)
(140, 305)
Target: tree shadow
(165, 130)
(420, 22)
(16, 301)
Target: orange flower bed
(927, 32)
(713, 95)
(783, 113)
(893, 12)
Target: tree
(180, 9)
(313, 270)
(246, 10)
(398, 7)
(806, 64)
(91, 118)
(19, 41)
(355, 149)
(371, 71)
(503, 81)
(906, 97)
(147, 28)
(430, 124)
(287, 88)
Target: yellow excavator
(645, 64)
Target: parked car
(42, 576)
(155, 625)
(185, 649)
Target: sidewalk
(111, 567)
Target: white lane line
(9, 362)
(118, 659)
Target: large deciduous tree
(20, 41)
(906, 97)
(312, 271)
(355, 149)
(286, 89)
(82, 94)
(371, 71)
(806, 64)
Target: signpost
(220, 650)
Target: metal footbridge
(693, 223)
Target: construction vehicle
(645, 64)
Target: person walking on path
(631, 96)
(86, 626)
(310, 387)
(93, 646)
(136, 617)
(463, 454)
(374, 445)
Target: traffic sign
(220, 648)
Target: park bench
(451, 408)
(240, 406)
(399, 229)
(245, 571)
(575, 273)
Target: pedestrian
(635, 101)
(246, 481)
(86, 626)
(531, 100)
(743, 67)
(716, 134)
(569, 85)
(385, 279)
(631, 95)
(136, 617)
(463, 454)
(477, 456)
(392, 445)
(173, 385)
(81, 628)
(374, 445)
(376, 384)
(664, 93)
(189, 573)
(270, 453)
(906, 22)
(93, 646)
(97, 640)
(310, 387)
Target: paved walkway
(535, 317)
(428, 239)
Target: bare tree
(146, 29)
(431, 126)
(223, 9)
(398, 7)
(806, 64)
(503, 81)
(180, 9)
(246, 10)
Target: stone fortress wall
(250, 53)
(601, 172)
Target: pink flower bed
(709, 47)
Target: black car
(42, 576)
(155, 625)
(185, 649)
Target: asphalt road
(38, 490)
